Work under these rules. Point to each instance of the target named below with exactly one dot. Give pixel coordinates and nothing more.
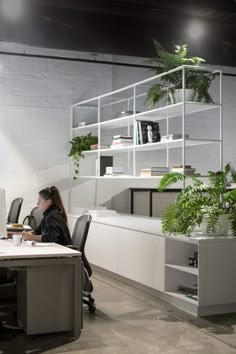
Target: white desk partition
(3, 220)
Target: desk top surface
(39, 250)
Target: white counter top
(152, 226)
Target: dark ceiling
(124, 27)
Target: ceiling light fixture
(12, 8)
(196, 30)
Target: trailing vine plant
(79, 144)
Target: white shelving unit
(99, 115)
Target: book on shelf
(153, 171)
(156, 169)
(187, 170)
(151, 174)
(175, 136)
(95, 146)
(147, 132)
(122, 141)
(122, 137)
(117, 146)
(191, 289)
(114, 169)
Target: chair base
(90, 302)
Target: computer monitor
(3, 218)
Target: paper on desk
(38, 244)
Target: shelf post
(221, 121)
(183, 122)
(99, 138)
(134, 133)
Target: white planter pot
(222, 227)
(178, 95)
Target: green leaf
(78, 145)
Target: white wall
(35, 99)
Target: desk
(49, 286)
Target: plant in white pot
(200, 205)
(196, 81)
(233, 177)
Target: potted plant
(196, 80)
(233, 177)
(78, 145)
(200, 203)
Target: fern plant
(196, 80)
(199, 201)
(78, 145)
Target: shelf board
(160, 113)
(182, 297)
(154, 146)
(185, 269)
(86, 128)
(122, 177)
(175, 110)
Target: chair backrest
(80, 231)
(30, 220)
(14, 212)
(37, 214)
(79, 237)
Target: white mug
(17, 239)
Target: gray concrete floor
(130, 321)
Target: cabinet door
(101, 246)
(141, 258)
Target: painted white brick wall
(35, 99)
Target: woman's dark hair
(54, 194)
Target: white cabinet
(134, 248)
(117, 113)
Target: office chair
(14, 212)
(34, 218)
(79, 238)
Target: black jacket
(54, 228)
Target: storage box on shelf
(122, 113)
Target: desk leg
(78, 299)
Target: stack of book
(190, 291)
(121, 140)
(95, 146)
(171, 137)
(188, 170)
(114, 171)
(153, 171)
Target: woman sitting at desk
(53, 227)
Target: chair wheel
(92, 308)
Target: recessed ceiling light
(12, 8)
(196, 30)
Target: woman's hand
(29, 236)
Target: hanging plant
(78, 145)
